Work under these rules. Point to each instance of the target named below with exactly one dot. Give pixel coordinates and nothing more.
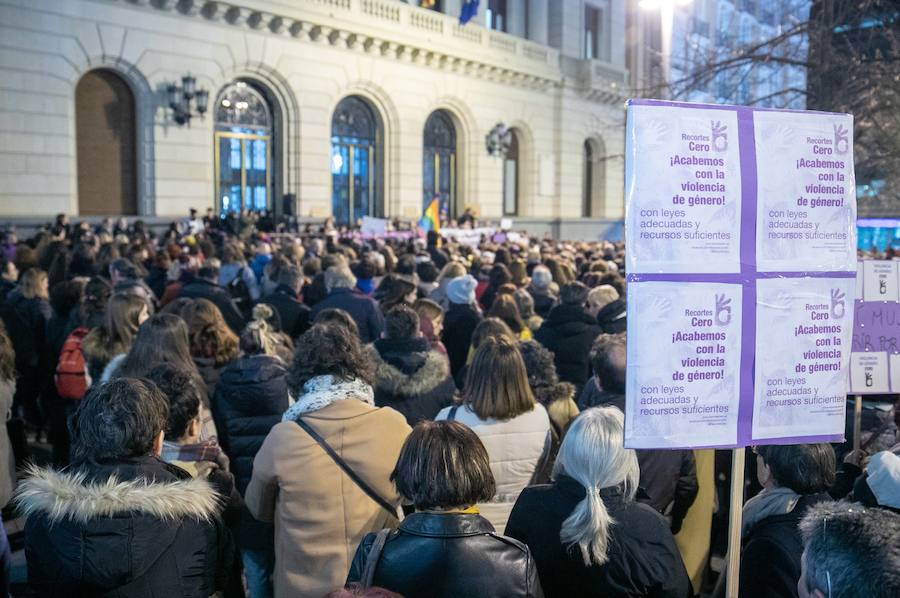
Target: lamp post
(666, 10)
(498, 140)
(180, 99)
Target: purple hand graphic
(723, 310)
(841, 142)
(719, 135)
(838, 305)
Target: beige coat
(320, 514)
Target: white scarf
(322, 391)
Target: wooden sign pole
(857, 421)
(734, 522)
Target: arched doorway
(243, 149)
(511, 176)
(105, 145)
(593, 189)
(356, 137)
(439, 162)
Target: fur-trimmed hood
(67, 495)
(120, 528)
(560, 391)
(433, 371)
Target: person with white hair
(849, 551)
(586, 532)
(342, 294)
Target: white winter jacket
(515, 446)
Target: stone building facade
(354, 107)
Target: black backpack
(240, 294)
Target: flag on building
(431, 220)
(427, 3)
(468, 12)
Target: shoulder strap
(347, 469)
(452, 415)
(368, 575)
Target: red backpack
(70, 378)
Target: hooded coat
(459, 324)
(411, 378)
(138, 528)
(569, 332)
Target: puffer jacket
(411, 378)
(138, 528)
(450, 555)
(251, 396)
(517, 449)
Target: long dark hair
(161, 339)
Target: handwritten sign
(875, 357)
(740, 240)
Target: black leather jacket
(448, 556)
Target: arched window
(105, 141)
(439, 162)
(243, 148)
(356, 133)
(511, 176)
(593, 190)
(587, 188)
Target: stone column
(537, 21)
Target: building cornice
(396, 31)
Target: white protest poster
(376, 227)
(869, 371)
(740, 240)
(684, 213)
(806, 206)
(683, 364)
(880, 280)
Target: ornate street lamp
(181, 98)
(498, 140)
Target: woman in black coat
(588, 535)
(250, 398)
(445, 549)
(794, 478)
(461, 319)
(569, 331)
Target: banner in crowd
(741, 249)
(875, 356)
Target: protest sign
(375, 227)
(875, 356)
(740, 240)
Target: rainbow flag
(431, 220)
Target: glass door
(243, 178)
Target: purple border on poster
(748, 274)
(747, 152)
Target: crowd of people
(244, 413)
